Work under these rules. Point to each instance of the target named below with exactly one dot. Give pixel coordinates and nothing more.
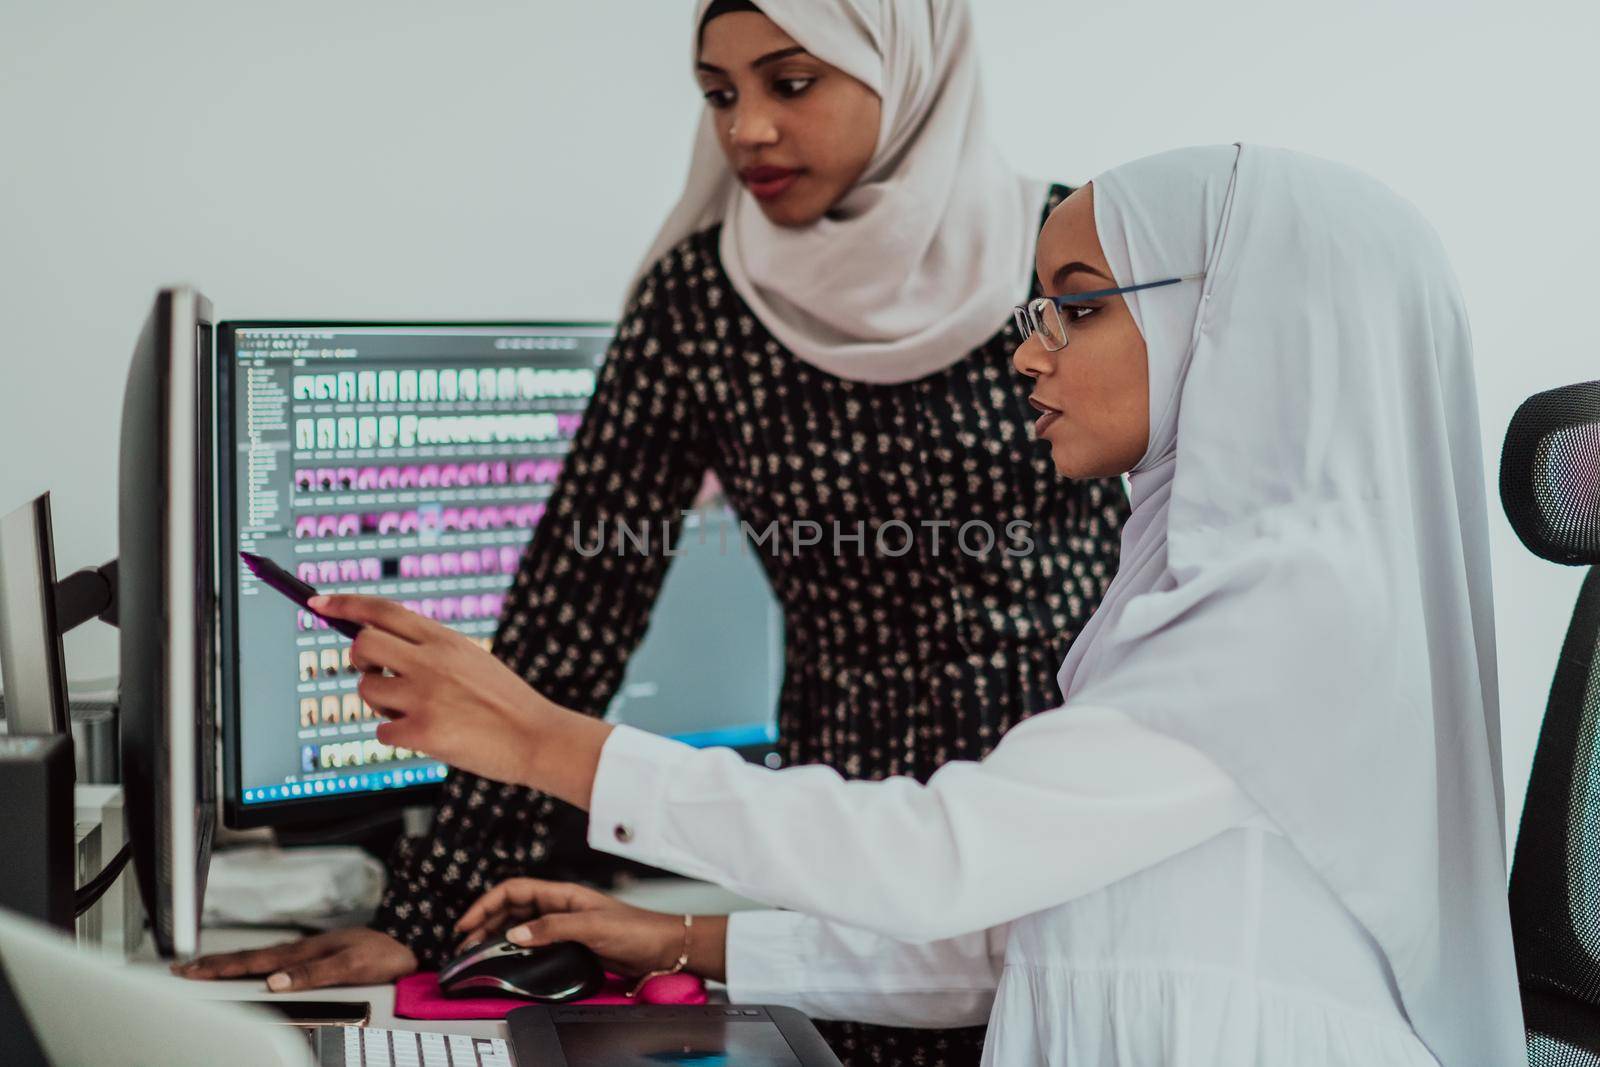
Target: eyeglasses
(1042, 315)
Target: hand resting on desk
(340, 957)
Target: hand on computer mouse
(340, 957)
(517, 900)
(628, 940)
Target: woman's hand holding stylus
(445, 696)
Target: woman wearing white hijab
(1265, 825)
(824, 322)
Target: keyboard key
(435, 1053)
(461, 1053)
(352, 1046)
(376, 1046)
(493, 1053)
(405, 1048)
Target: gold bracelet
(683, 961)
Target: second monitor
(413, 461)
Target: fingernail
(519, 935)
(317, 603)
(278, 982)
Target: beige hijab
(923, 259)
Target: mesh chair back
(1555, 877)
(1550, 488)
(1550, 474)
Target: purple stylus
(293, 588)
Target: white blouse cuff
(763, 955)
(630, 795)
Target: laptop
(70, 1007)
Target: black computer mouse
(551, 974)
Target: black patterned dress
(897, 659)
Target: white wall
(491, 159)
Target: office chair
(1550, 489)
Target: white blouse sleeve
(1070, 801)
(831, 971)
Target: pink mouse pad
(417, 996)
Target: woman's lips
(767, 182)
(1047, 416)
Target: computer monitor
(161, 590)
(36, 611)
(32, 665)
(167, 611)
(711, 663)
(412, 461)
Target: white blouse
(1098, 892)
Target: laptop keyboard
(366, 1046)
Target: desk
(664, 894)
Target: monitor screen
(414, 462)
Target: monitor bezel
(236, 814)
(167, 609)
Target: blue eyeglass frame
(1026, 321)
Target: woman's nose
(1030, 359)
(752, 127)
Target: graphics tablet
(711, 1035)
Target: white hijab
(1304, 589)
(922, 261)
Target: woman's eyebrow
(759, 61)
(782, 53)
(1060, 277)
